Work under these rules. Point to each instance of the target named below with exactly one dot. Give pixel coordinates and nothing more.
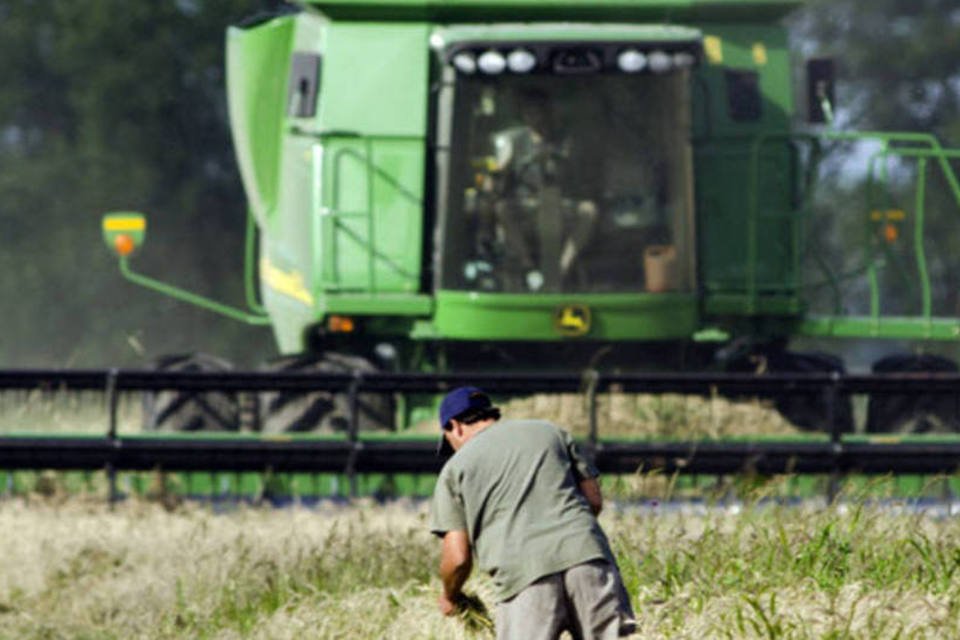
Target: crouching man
(519, 496)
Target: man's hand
(455, 565)
(448, 607)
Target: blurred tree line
(898, 71)
(108, 105)
(112, 104)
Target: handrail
(921, 155)
(256, 319)
(257, 316)
(249, 260)
(919, 146)
(335, 213)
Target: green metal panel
(290, 244)
(739, 303)
(478, 316)
(351, 210)
(499, 10)
(287, 270)
(257, 58)
(287, 250)
(377, 304)
(289, 320)
(740, 254)
(549, 32)
(763, 49)
(372, 228)
(749, 233)
(905, 328)
(374, 79)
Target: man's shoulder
(544, 427)
(499, 436)
(528, 423)
(525, 428)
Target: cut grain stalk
(474, 615)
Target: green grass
(74, 568)
(226, 487)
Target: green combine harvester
(540, 185)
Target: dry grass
(81, 570)
(57, 411)
(623, 415)
(669, 415)
(76, 569)
(618, 414)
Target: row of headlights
(630, 60)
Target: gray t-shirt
(514, 489)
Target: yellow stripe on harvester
(124, 224)
(289, 283)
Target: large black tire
(807, 412)
(323, 411)
(190, 410)
(915, 412)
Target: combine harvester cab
(483, 186)
(456, 179)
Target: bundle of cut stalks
(474, 615)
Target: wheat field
(73, 567)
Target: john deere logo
(572, 320)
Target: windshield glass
(568, 184)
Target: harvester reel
(191, 410)
(323, 411)
(914, 413)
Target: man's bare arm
(456, 563)
(590, 488)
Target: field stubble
(618, 414)
(77, 569)
(628, 415)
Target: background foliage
(897, 71)
(108, 104)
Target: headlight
(631, 61)
(659, 62)
(491, 62)
(521, 61)
(465, 63)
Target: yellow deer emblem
(572, 320)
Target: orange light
(890, 233)
(340, 324)
(123, 244)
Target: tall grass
(77, 569)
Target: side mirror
(820, 86)
(124, 231)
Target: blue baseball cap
(460, 402)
